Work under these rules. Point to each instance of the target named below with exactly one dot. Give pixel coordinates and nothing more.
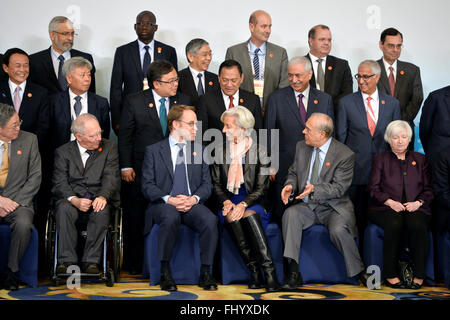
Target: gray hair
(54, 23)
(325, 123)
(373, 65)
(194, 45)
(75, 62)
(244, 118)
(395, 127)
(6, 113)
(78, 124)
(303, 60)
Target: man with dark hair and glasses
(46, 65)
(400, 79)
(131, 62)
(361, 120)
(143, 122)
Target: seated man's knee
(171, 217)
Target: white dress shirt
(374, 103)
(394, 67)
(315, 66)
(304, 99)
(55, 59)
(151, 46)
(84, 107)
(226, 99)
(195, 76)
(13, 86)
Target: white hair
(395, 127)
(244, 118)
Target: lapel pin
(402, 72)
(241, 100)
(210, 83)
(271, 55)
(383, 102)
(315, 101)
(29, 94)
(100, 149)
(151, 105)
(413, 163)
(330, 68)
(327, 163)
(159, 49)
(194, 153)
(175, 102)
(19, 152)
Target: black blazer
(256, 181)
(43, 73)
(338, 79)
(127, 75)
(140, 127)
(441, 185)
(34, 109)
(61, 120)
(211, 106)
(187, 86)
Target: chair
(373, 251)
(443, 256)
(185, 262)
(232, 266)
(320, 261)
(28, 267)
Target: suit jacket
(275, 70)
(140, 127)
(338, 78)
(100, 176)
(43, 73)
(256, 180)
(61, 119)
(157, 175)
(127, 74)
(353, 130)
(3, 74)
(434, 122)
(24, 175)
(282, 113)
(187, 86)
(408, 88)
(34, 108)
(441, 185)
(211, 106)
(387, 180)
(334, 179)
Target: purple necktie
(302, 107)
(17, 101)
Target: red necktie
(370, 122)
(231, 105)
(392, 81)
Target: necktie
(90, 153)
(315, 169)
(231, 105)
(163, 115)
(320, 75)
(77, 106)
(61, 79)
(179, 177)
(370, 121)
(200, 90)
(147, 60)
(391, 81)
(17, 100)
(302, 107)
(256, 63)
(5, 165)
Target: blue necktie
(179, 177)
(147, 60)
(256, 63)
(200, 90)
(163, 115)
(61, 79)
(77, 106)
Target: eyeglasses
(190, 124)
(226, 81)
(15, 125)
(95, 135)
(394, 46)
(66, 34)
(146, 24)
(171, 82)
(365, 77)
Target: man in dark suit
(3, 74)
(441, 185)
(264, 63)
(361, 121)
(46, 65)
(318, 180)
(287, 111)
(176, 181)
(330, 74)
(214, 103)
(143, 122)
(86, 180)
(131, 62)
(69, 104)
(196, 80)
(400, 79)
(20, 177)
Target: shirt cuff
(70, 198)
(166, 198)
(123, 169)
(197, 197)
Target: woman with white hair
(400, 197)
(240, 182)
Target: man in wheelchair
(85, 181)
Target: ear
(190, 56)
(69, 78)
(5, 67)
(380, 45)
(251, 26)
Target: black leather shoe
(62, 267)
(166, 282)
(363, 276)
(398, 285)
(91, 268)
(414, 285)
(207, 281)
(10, 280)
(256, 281)
(293, 281)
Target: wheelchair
(112, 253)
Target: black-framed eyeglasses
(95, 135)
(66, 34)
(190, 124)
(16, 125)
(146, 24)
(364, 76)
(170, 81)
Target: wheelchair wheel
(109, 278)
(117, 245)
(50, 229)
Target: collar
(157, 97)
(56, 55)
(73, 95)
(82, 150)
(374, 96)
(305, 92)
(173, 142)
(314, 58)
(387, 65)
(253, 47)
(324, 148)
(195, 72)
(3, 142)
(235, 96)
(142, 45)
(12, 86)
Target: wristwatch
(244, 204)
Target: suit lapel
(327, 161)
(65, 103)
(27, 101)
(92, 104)
(384, 82)
(15, 159)
(167, 157)
(76, 156)
(94, 156)
(220, 102)
(400, 78)
(292, 105)
(209, 82)
(136, 58)
(48, 65)
(6, 93)
(359, 102)
(329, 69)
(381, 111)
(191, 83)
(306, 166)
(312, 82)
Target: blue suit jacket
(282, 113)
(61, 120)
(157, 175)
(352, 130)
(127, 74)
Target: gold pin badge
(271, 55)
(159, 49)
(210, 83)
(100, 149)
(19, 152)
(241, 100)
(316, 101)
(330, 68)
(151, 105)
(29, 94)
(402, 72)
(413, 163)
(194, 153)
(327, 163)
(383, 102)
